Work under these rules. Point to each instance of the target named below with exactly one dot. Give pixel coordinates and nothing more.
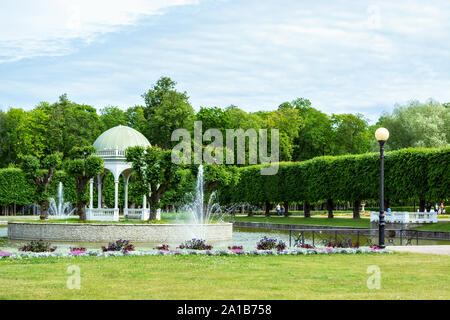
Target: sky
(344, 56)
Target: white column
(99, 186)
(116, 194)
(126, 197)
(144, 202)
(91, 193)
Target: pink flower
(5, 254)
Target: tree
(40, 174)
(135, 119)
(239, 119)
(214, 118)
(70, 125)
(417, 125)
(288, 121)
(154, 172)
(166, 110)
(351, 134)
(83, 166)
(315, 137)
(112, 117)
(14, 136)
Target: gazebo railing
(102, 214)
(141, 214)
(111, 153)
(406, 217)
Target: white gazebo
(111, 146)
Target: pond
(245, 237)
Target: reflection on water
(245, 237)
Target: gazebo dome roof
(120, 138)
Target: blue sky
(345, 56)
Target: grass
(341, 222)
(403, 276)
(443, 226)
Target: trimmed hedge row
(422, 174)
(409, 174)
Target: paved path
(436, 249)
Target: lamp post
(382, 134)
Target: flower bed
(218, 252)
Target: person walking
(436, 208)
(428, 208)
(282, 210)
(442, 209)
(278, 209)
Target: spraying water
(59, 208)
(198, 213)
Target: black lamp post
(381, 135)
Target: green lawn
(442, 226)
(337, 221)
(403, 276)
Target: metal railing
(351, 237)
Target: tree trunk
(250, 211)
(81, 210)
(330, 208)
(44, 209)
(286, 209)
(307, 209)
(422, 205)
(356, 205)
(267, 209)
(153, 212)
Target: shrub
(38, 246)
(306, 246)
(119, 245)
(269, 244)
(344, 243)
(195, 244)
(163, 247)
(281, 245)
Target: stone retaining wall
(157, 233)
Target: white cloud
(344, 56)
(48, 27)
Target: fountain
(197, 215)
(111, 147)
(197, 223)
(58, 208)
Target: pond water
(245, 237)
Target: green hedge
(421, 174)
(14, 188)
(409, 174)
